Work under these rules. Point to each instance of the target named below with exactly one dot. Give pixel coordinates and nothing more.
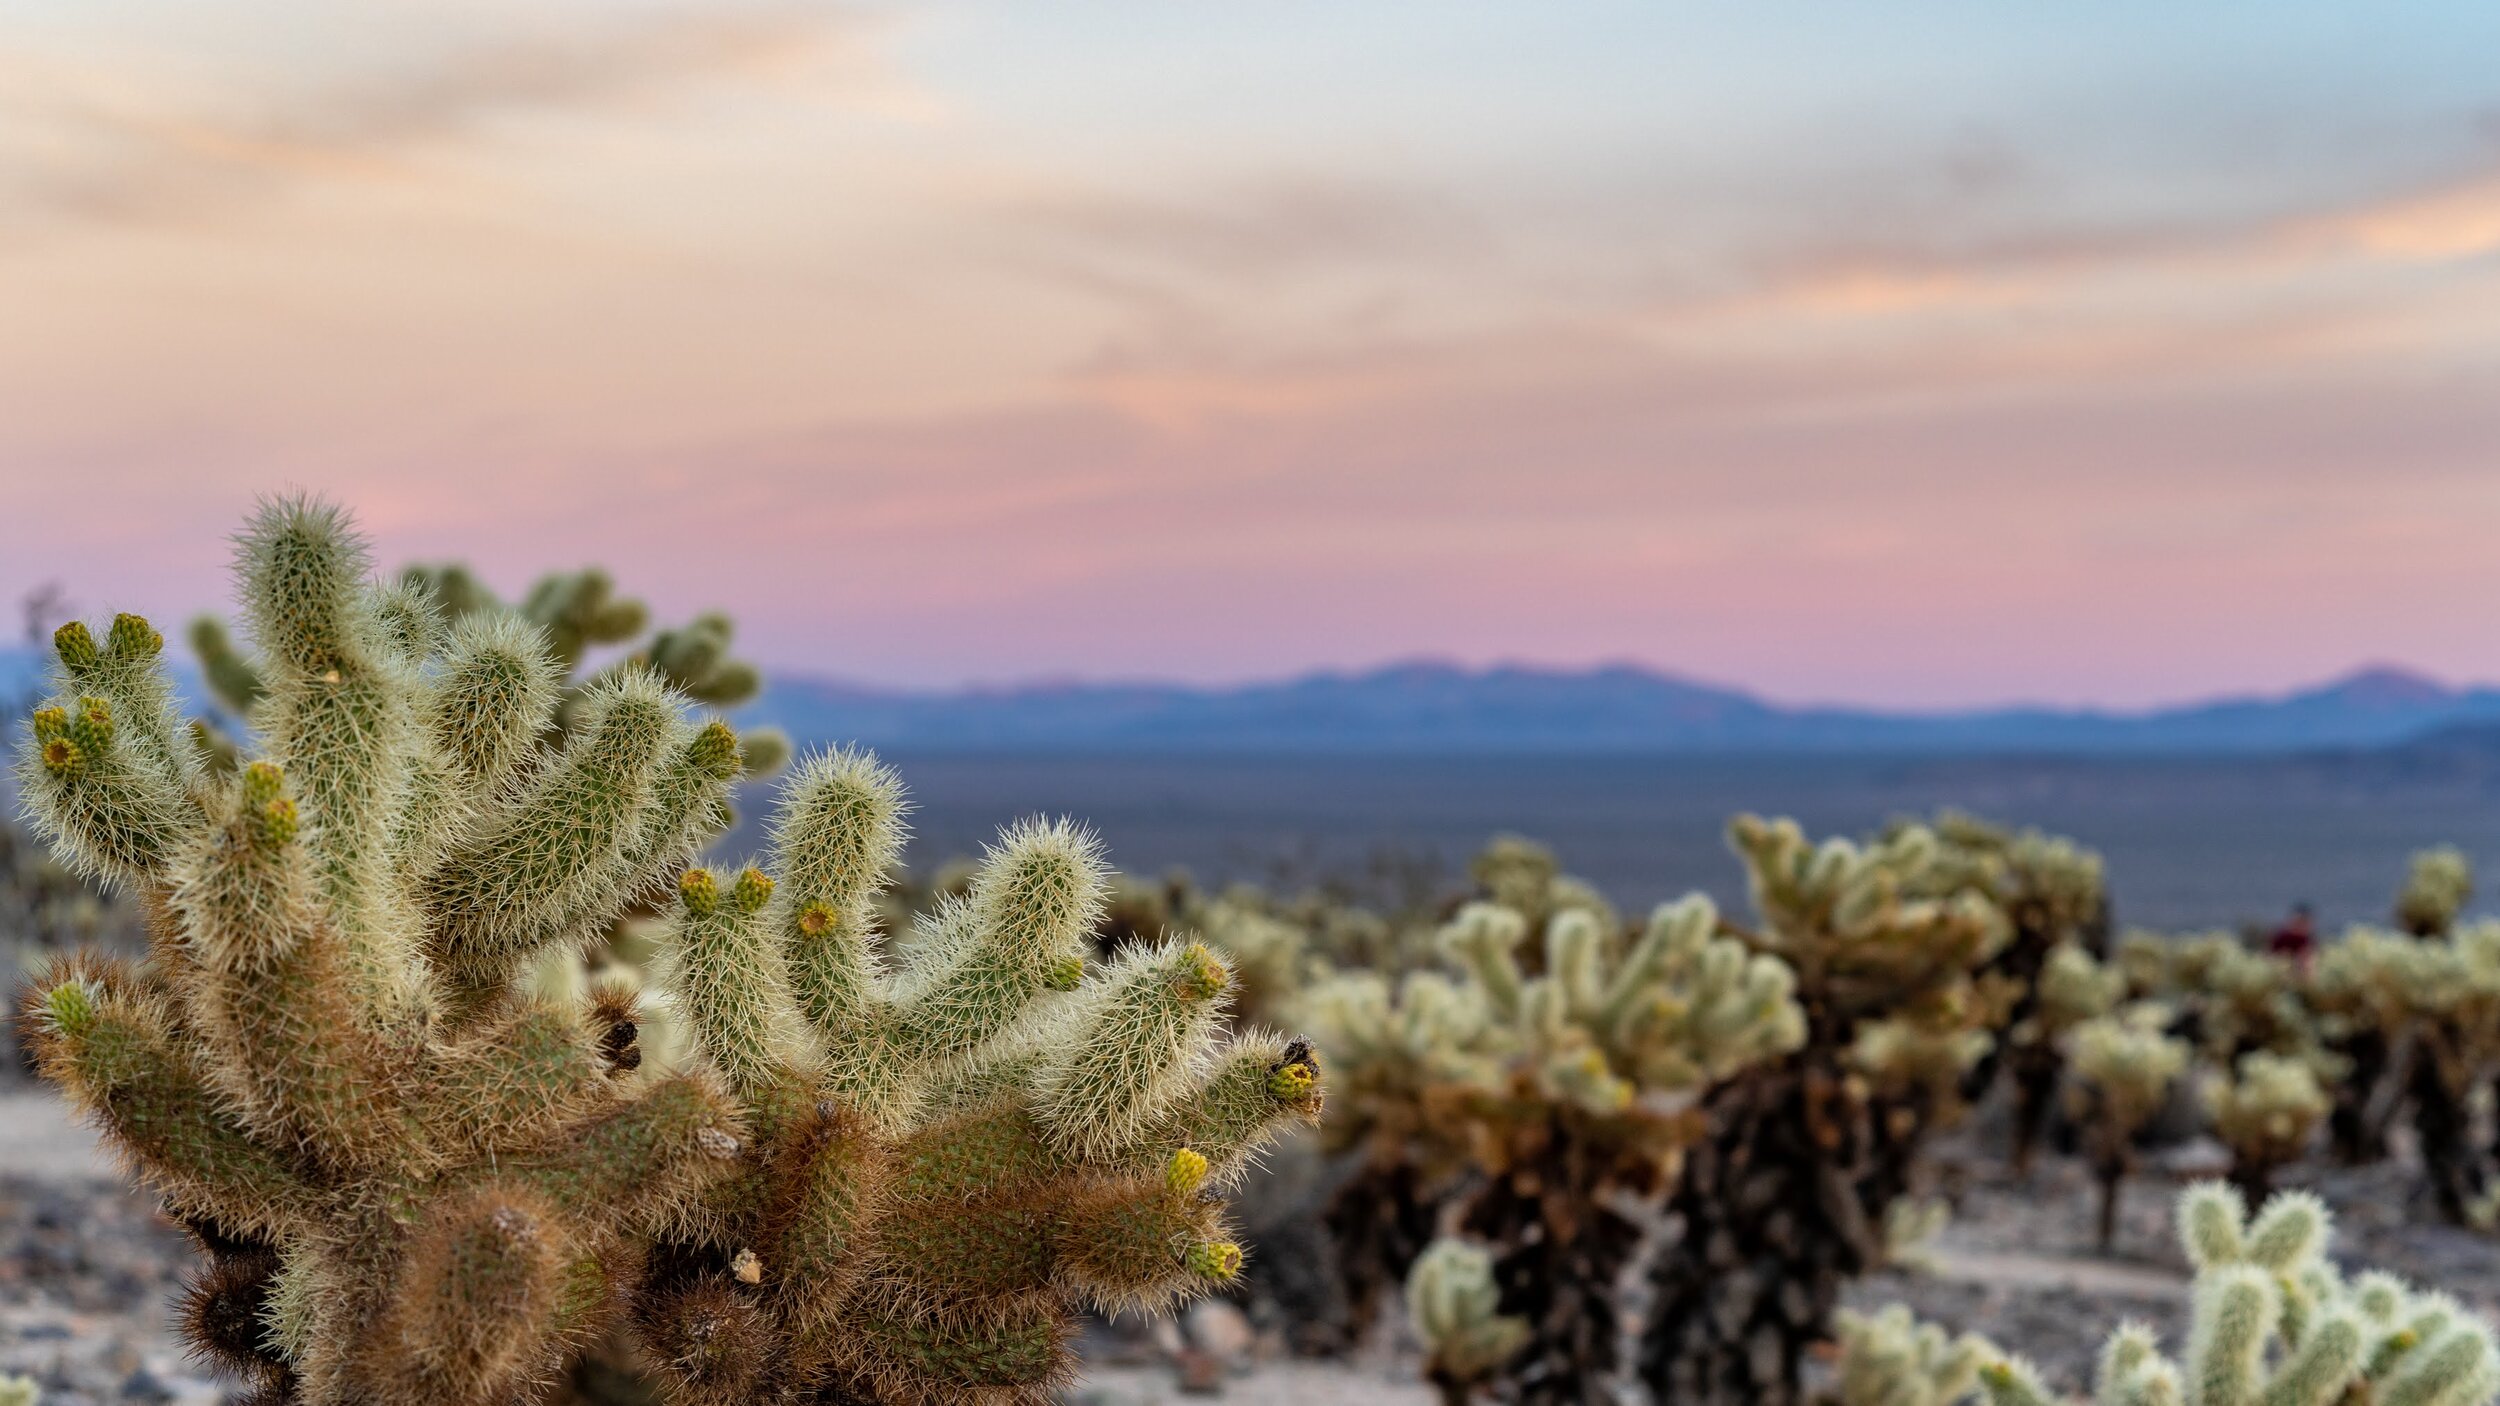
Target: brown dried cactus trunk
(1781, 1205)
(2032, 1071)
(1560, 1256)
(1378, 1224)
(2444, 1126)
(2359, 1136)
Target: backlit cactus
(2070, 989)
(2267, 1110)
(1456, 1311)
(1560, 1090)
(2276, 1324)
(417, 1182)
(2439, 882)
(950, 1155)
(2121, 1069)
(1788, 1192)
(1889, 1358)
(574, 611)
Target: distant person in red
(2297, 938)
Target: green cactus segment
(563, 847)
(477, 1302)
(499, 1089)
(1455, 1307)
(1124, 1060)
(732, 986)
(115, 1053)
(106, 814)
(679, 1136)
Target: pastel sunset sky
(1912, 354)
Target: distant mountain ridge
(1434, 707)
(1425, 706)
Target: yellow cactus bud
(1293, 1082)
(61, 757)
(815, 920)
(1202, 976)
(132, 637)
(50, 723)
(752, 891)
(278, 823)
(1187, 1172)
(1217, 1262)
(262, 782)
(75, 646)
(700, 891)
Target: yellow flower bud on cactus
(700, 891)
(1202, 976)
(61, 757)
(815, 920)
(278, 823)
(715, 751)
(262, 782)
(1293, 1082)
(1217, 1262)
(752, 891)
(75, 646)
(132, 637)
(1187, 1172)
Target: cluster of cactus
(2439, 882)
(1536, 1100)
(2071, 991)
(2267, 1109)
(2121, 1068)
(575, 612)
(2275, 1323)
(1802, 1162)
(1890, 1358)
(413, 1181)
(1454, 1307)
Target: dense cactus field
(823, 1130)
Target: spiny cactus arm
(2012, 1381)
(1036, 898)
(1143, 1241)
(1676, 932)
(1889, 1358)
(109, 1046)
(273, 996)
(127, 672)
(104, 812)
(726, 975)
(689, 806)
(517, 1081)
(1259, 1087)
(494, 699)
(638, 1160)
(561, 849)
(830, 1181)
(838, 831)
(475, 1310)
(1125, 1052)
(341, 710)
(579, 609)
(902, 1344)
(1456, 1310)
(695, 658)
(232, 678)
(764, 751)
(1484, 940)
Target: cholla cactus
(2122, 1069)
(436, 1186)
(575, 612)
(1519, 874)
(1787, 1194)
(2437, 886)
(2452, 1024)
(2361, 990)
(1889, 1358)
(2070, 990)
(1456, 1311)
(417, 1183)
(951, 1157)
(1562, 1088)
(1398, 1063)
(2275, 1324)
(2267, 1111)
